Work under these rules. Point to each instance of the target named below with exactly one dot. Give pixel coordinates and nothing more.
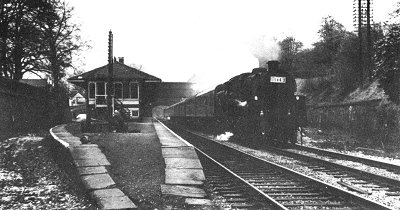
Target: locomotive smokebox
(273, 65)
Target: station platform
(183, 170)
(184, 174)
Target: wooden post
(110, 85)
(88, 110)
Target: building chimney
(273, 65)
(121, 60)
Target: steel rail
(271, 200)
(349, 195)
(367, 161)
(373, 176)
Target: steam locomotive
(258, 107)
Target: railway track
(335, 155)
(278, 186)
(361, 181)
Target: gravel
(30, 177)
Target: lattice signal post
(362, 18)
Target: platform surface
(185, 191)
(179, 152)
(184, 174)
(183, 163)
(91, 162)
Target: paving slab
(73, 143)
(182, 163)
(92, 170)
(185, 191)
(170, 141)
(97, 181)
(87, 153)
(179, 152)
(120, 202)
(198, 201)
(84, 147)
(91, 162)
(104, 193)
(63, 134)
(167, 137)
(184, 176)
(59, 129)
(112, 199)
(70, 138)
(89, 145)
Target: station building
(135, 92)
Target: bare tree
(37, 36)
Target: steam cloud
(224, 137)
(265, 49)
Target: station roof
(121, 72)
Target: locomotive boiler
(258, 107)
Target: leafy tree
(346, 64)
(387, 57)
(289, 49)
(331, 35)
(387, 60)
(320, 59)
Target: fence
(367, 119)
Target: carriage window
(134, 90)
(118, 90)
(92, 89)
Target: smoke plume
(265, 49)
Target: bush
(317, 84)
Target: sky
(207, 41)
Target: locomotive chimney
(273, 65)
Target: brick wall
(24, 107)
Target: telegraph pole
(110, 86)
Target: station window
(101, 93)
(134, 90)
(92, 89)
(134, 112)
(118, 90)
(101, 88)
